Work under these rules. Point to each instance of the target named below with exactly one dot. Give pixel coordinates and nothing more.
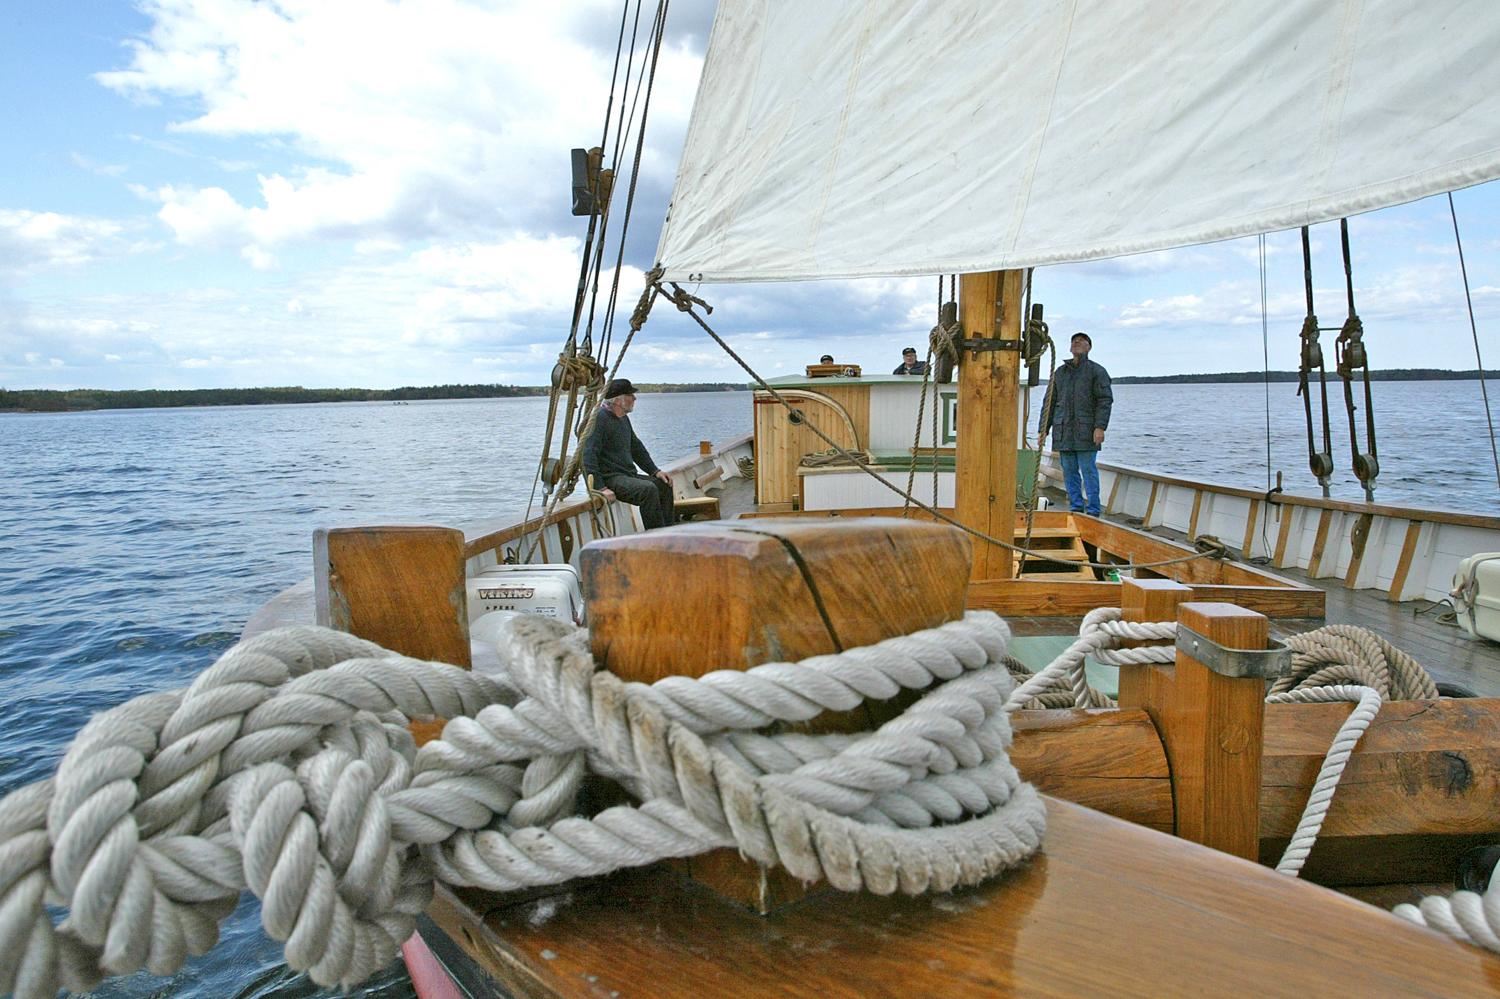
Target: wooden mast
(988, 387)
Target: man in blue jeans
(1076, 411)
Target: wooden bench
(697, 508)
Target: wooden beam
(1150, 505)
(1192, 531)
(1320, 543)
(1403, 566)
(1422, 786)
(1107, 759)
(988, 394)
(1074, 598)
(1283, 535)
(1246, 548)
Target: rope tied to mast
(287, 768)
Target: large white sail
(849, 138)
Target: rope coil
(287, 768)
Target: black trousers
(651, 494)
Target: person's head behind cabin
(826, 359)
(619, 396)
(909, 363)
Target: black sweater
(612, 448)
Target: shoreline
(31, 401)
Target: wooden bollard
(1145, 601)
(701, 597)
(1212, 728)
(402, 588)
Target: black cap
(620, 386)
(826, 359)
(909, 350)
(1085, 336)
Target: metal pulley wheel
(1321, 464)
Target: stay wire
(1474, 330)
(621, 134)
(1265, 349)
(658, 33)
(684, 303)
(584, 269)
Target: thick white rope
(287, 767)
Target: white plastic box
(549, 590)
(1476, 595)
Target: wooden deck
(1107, 908)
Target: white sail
(849, 138)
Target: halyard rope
(287, 767)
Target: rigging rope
(1319, 462)
(1350, 354)
(1474, 330)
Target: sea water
(134, 544)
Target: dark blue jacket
(1081, 400)
(612, 448)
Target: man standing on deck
(612, 452)
(1076, 410)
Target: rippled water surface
(135, 544)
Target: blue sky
(203, 193)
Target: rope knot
(685, 301)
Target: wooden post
(1211, 727)
(735, 594)
(1145, 601)
(988, 396)
(400, 587)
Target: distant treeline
(1385, 375)
(75, 400)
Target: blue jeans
(1080, 475)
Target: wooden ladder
(1063, 542)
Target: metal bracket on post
(1264, 664)
(977, 344)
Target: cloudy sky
(203, 193)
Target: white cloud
(30, 240)
(430, 119)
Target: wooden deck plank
(1142, 914)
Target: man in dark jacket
(612, 452)
(1076, 410)
(909, 364)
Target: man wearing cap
(909, 363)
(1076, 410)
(612, 452)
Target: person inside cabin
(612, 452)
(826, 359)
(909, 364)
(1076, 411)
